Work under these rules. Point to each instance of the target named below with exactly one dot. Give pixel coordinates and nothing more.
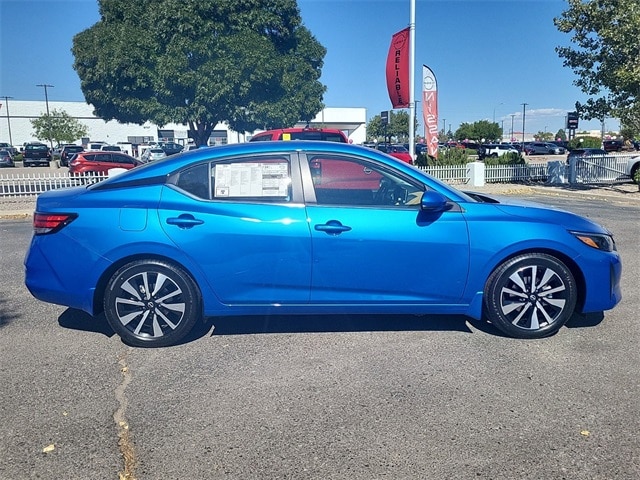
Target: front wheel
(151, 303)
(530, 296)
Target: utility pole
(524, 111)
(46, 101)
(6, 102)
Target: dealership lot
(355, 397)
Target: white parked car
(632, 167)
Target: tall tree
(479, 131)
(59, 127)
(250, 63)
(606, 56)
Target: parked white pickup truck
(495, 150)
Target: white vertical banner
(430, 110)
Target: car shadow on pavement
(243, 325)
(265, 324)
(582, 320)
(78, 320)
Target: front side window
(350, 181)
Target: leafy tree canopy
(59, 127)
(477, 131)
(397, 128)
(250, 63)
(606, 56)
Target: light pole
(6, 102)
(46, 101)
(494, 112)
(524, 111)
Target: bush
(587, 142)
(452, 156)
(510, 158)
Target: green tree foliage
(250, 63)
(561, 134)
(585, 142)
(606, 56)
(477, 131)
(543, 136)
(59, 127)
(397, 129)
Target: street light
(6, 102)
(46, 101)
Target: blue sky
(489, 57)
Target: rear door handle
(184, 221)
(332, 227)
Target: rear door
(244, 223)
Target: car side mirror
(433, 202)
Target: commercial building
(16, 127)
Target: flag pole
(412, 77)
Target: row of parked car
(97, 157)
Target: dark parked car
(67, 152)
(6, 160)
(309, 228)
(36, 154)
(101, 162)
(172, 148)
(585, 152)
(613, 145)
(13, 151)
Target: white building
(16, 128)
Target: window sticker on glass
(252, 180)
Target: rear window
(313, 135)
(37, 147)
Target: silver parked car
(152, 154)
(543, 148)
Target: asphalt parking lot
(337, 397)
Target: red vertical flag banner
(398, 69)
(430, 110)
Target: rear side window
(265, 180)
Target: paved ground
(12, 208)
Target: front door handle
(332, 227)
(185, 220)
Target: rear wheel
(530, 296)
(151, 303)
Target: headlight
(596, 240)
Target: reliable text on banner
(430, 110)
(398, 69)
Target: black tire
(530, 296)
(633, 172)
(151, 303)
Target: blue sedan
(309, 228)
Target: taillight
(44, 223)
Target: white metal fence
(30, 184)
(603, 170)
